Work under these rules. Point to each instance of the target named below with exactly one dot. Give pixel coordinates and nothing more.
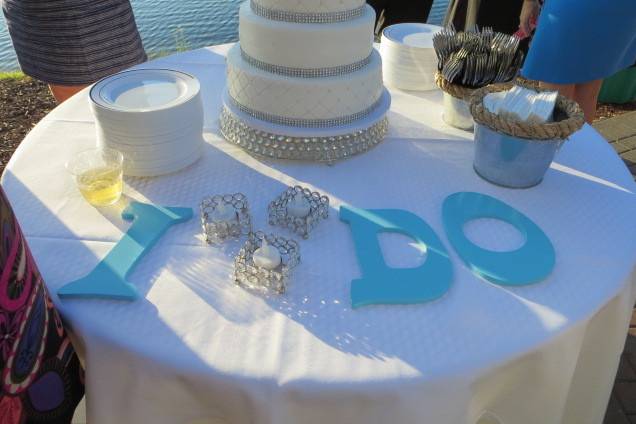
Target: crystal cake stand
(268, 140)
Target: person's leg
(566, 90)
(379, 7)
(63, 92)
(456, 14)
(586, 95)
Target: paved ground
(620, 131)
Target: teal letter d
(381, 284)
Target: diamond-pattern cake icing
(305, 72)
(302, 98)
(311, 6)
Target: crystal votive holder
(248, 274)
(279, 216)
(216, 231)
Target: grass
(181, 42)
(13, 75)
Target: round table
(198, 348)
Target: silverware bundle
(477, 58)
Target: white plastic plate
(412, 35)
(144, 90)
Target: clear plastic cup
(99, 175)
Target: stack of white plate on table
(409, 61)
(154, 117)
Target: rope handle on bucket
(568, 117)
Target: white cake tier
(295, 45)
(311, 6)
(296, 101)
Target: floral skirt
(41, 378)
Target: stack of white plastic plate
(408, 57)
(154, 117)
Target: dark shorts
(73, 42)
(398, 11)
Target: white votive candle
(299, 207)
(266, 256)
(224, 213)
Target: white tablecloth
(197, 348)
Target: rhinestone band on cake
(314, 149)
(304, 17)
(306, 73)
(305, 123)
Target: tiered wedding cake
(305, 82)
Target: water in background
(169, 25)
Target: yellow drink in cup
(98, 174)
(101, 186)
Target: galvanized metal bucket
(457, 113)
(511, 161)
(517, 154)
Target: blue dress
(582, 40)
